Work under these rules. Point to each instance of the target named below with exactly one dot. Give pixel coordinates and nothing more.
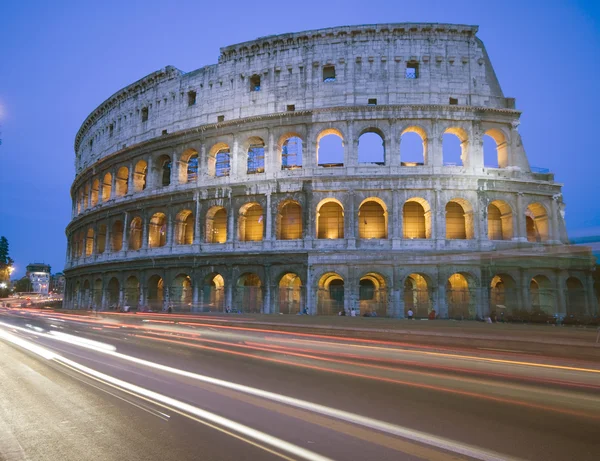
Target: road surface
(97, 388)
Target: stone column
(269, 222)
(475, 148)
(229, 289)
(396, 221)
(555, 237)
(524, 291)
(130, 179)
(521, 232)
(442, 302)
(170, 229)
(350, 221)
(125, 241)
(231, 236)
(235, 160)
(89, 198)
(271, 156)
(197, 222)
(113, 187)
(267, 308)
(175, 168)
(438, 228)
(561, 306)
(350, 147)
(145, 225)
(392, 146)
(592, 302)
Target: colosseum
(364, 169)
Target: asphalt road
(81, 387)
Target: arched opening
(116, 236)
(459, 220)
(140, 173)
(500, 221)
(180, 293)
(97, 294)
(291, 153)
(156, 293)
(290, 294)
(86, 197)
(249, 293)
(536, 223)
(135, 234)
(330, 148)
(504, 298)
(371, 147)
(373, 295)
(251, 223)
(95, 191)
(184, 228)
(417, 296)
(413, 146)
(113, 293)
(454, 147)
(132, 292)
(121, 181)
(256, 156)
(219, 160)
(460, 297)
(576, 307)
(106, 187)
(372, 219)
(416, 219)
(213, 293)
(216, 225)
(79, 201)
(157, 231)
(330, 295)
(495, 149)
(101, 246)
(164, 165)
(89, 242)
(289, 221)
(188, 167)
(330, 219)
(542, 296)
(80, 244)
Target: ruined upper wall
(370, 63)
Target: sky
(60, 59)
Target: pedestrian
(431, 315)
(410, 314)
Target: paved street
(85, 387)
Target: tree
(23, 285)
(5, 261)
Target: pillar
(125, 241)
(145, 225)
(197, 223)
(269, 223)
(170, 229)
(267, 308)
(521, 232)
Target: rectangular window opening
(372, 102)
(144, 114)
(191, 98)
(329, 74)
(255, 83)
(453, 101)
(412, 70)
(111, 130)
(291, 108)
(164, 132)
(220, 118)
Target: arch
(454, 146)
(542, 295)
(495, 149)
(256, 155)
(504, 297)
(89, 242)
(371, 146)
(106, 187)
(291, 145)
(249, 293)
(116, 236)
(372, 219)
(413, 146)
(330, 148)
(213, 293)
(251, 225)
(460, 296)
(121, 181)
(330, 219)
(188, 166)
(576, 305)
(184, 228)
(113, 292)
(164, 166)
(330, 294)
(373, 295)
(536, 223)
(416, 219)
(418, 295)
(157, 230)
(156, 293)
(140, 174)
(289, 221)
(181, 293)
(219, 160)
(459, 219)
(216, 225)
(500, 221)
(290, 294)
(95, 191)
(132, 292)
(135, 233)
(101, 239)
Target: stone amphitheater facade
(212, 190)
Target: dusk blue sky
(61, 59)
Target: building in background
(57, 283)
(39, 275)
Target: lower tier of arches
(373, 287)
